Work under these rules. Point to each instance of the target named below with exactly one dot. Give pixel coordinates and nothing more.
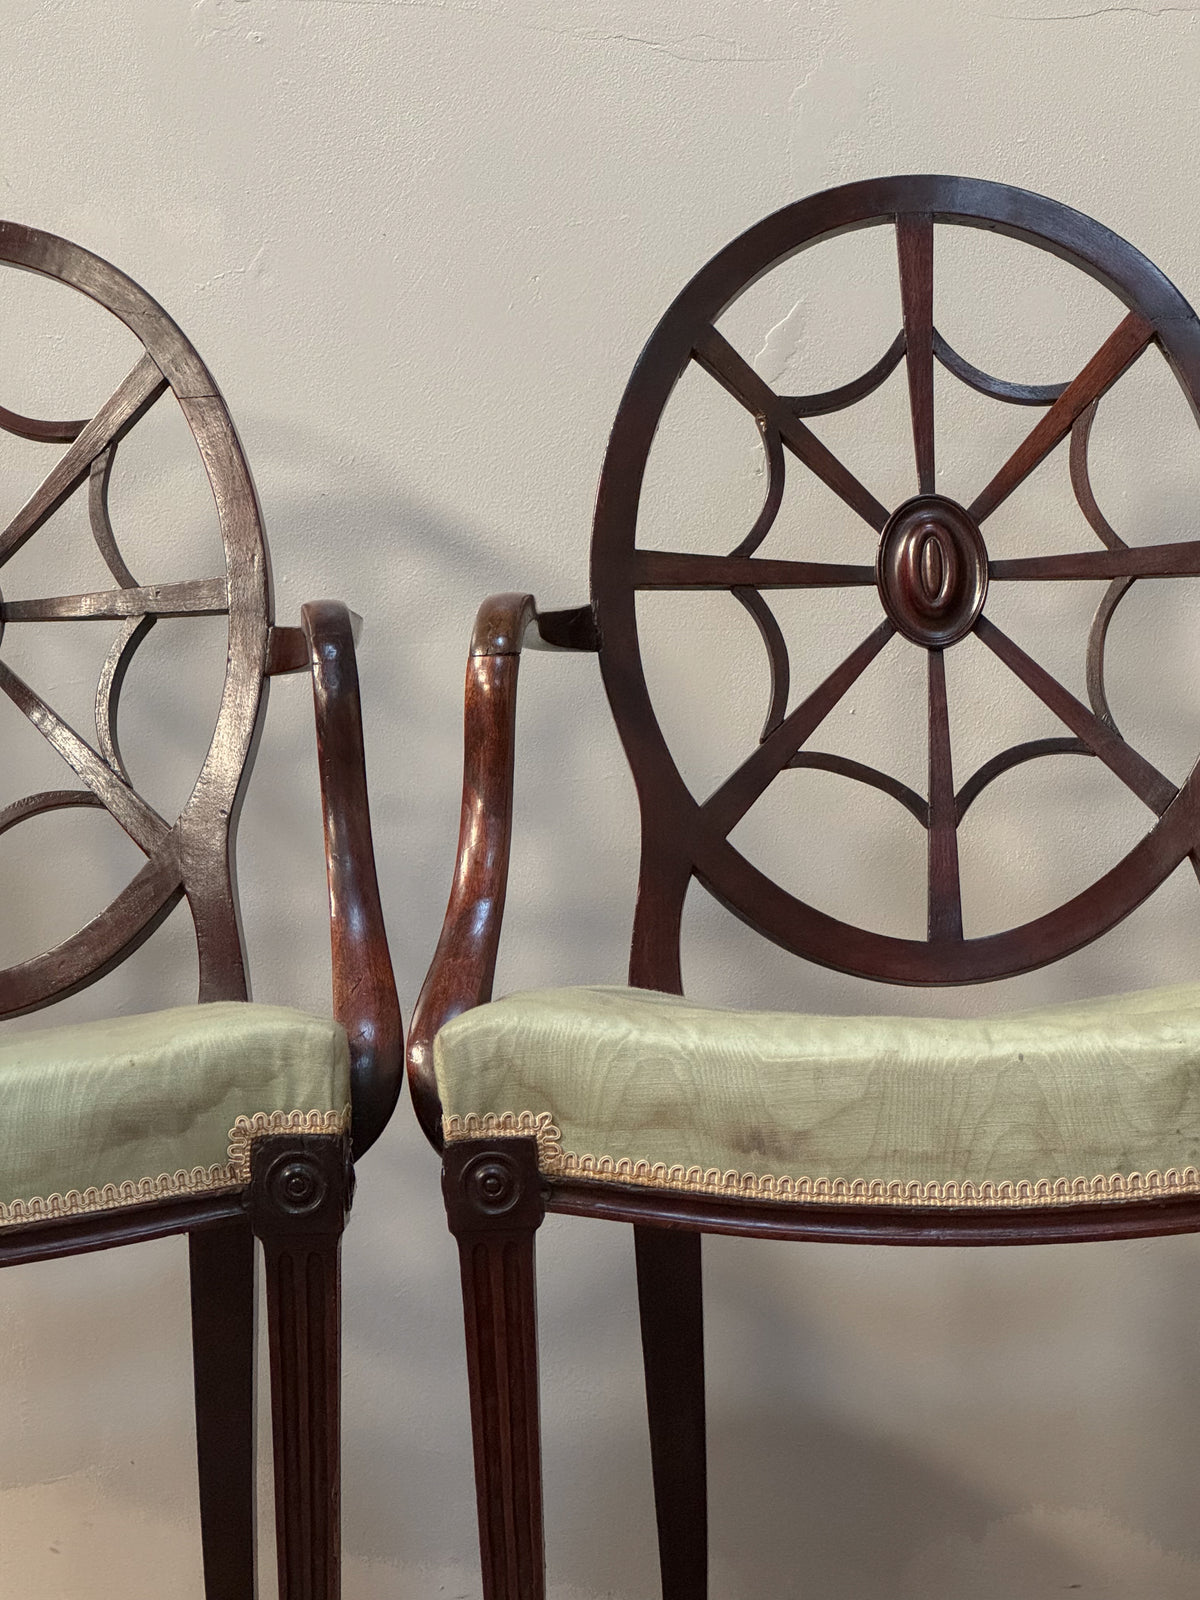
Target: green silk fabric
(87, 1109)
(636, 1086)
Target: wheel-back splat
(932, 574)
(191, 854)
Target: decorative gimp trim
(247, 1129)
(233, 1174)
(556, 1162)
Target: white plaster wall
(420, 245)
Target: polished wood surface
(189, 858)
(914, 239)
(916, 209)
(465, 964)
(494, 1206)
(933, 574)
(222, 1263)
(364, 990)
(300, 1190)
(671, 1313)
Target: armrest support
(364, 988)
(464, 964)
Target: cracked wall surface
(420, 243)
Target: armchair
(225, 1120)
(637, 1105)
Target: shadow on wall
(417, 578)
(816, 1486)
(867, 1517)
(948, 1425)
(804, 1494)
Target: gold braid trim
(556, 1162)
(234, 1174)
(246, 1129)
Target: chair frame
(301, 1182)
(495, 1194)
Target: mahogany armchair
(1077, 1122)
(226, 1120)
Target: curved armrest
(464, 964)
(364, 988)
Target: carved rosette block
(494, 1206)
(300, 1187)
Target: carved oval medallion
(932, 570)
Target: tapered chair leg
(300, 1187)
(221, 1261)
(670, 1302)
(494, 1207)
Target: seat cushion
(1092, 1101)
(141, 1108)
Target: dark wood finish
(667, 569)
(777, 655)
(128, 403)
(1127, 561)
(572, 629)
(102, 1230)
(190, 858)
(1152, 311)
(1014, 757)
(183, 855)
(494, 1206)
(108, 690)
(945, 901)
(1017, 394)
(1133, 769)
(848, 394)
(671, 1310)
(287, 651)
(463, 973)
(101, 523)
(207, 597)
(463, 969)
(364, 991)
(932, 571)
(908, 798)
(1097, 638)
(1115, 355)
(40, 432)
(818, 1221)
(33, 805)
(664, 876)
(1081, 483)
(716, 355)
(930, 564)
(914, 238)
(139, 820)
(224, 1308)
(300, 1191)
(724, 809)
(772, 443)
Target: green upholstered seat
(140, 1108)
(1095, 1100)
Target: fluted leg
(670, 1301)
(221, 1260)
(494, 1208)
(300, 1188)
